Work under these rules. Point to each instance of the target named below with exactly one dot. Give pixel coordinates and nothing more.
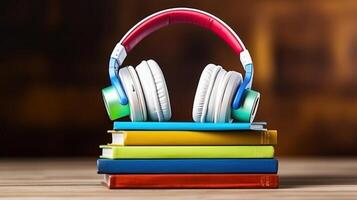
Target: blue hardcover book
(188, 126)
(187, 166)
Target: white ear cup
(226, 91)
(155, 90)
(161, 87)
(134, 93)
(203, 92)
(212, 101)
(149, 89)
(139, 92)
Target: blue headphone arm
(113, 70)
(247, 84)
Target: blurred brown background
(54, 56)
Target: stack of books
(189, 155)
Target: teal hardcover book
(188, 126)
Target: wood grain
(77, 179)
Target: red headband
(181, 15)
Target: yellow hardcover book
(203, 138)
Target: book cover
(138, 138)
(188, 126)
(180, 181)
(186, 166)
(133, 152)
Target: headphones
(142, 94)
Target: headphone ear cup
(203, 92)
(161, 87)
(226, 91)
(132, 88)
(212, 100)
(155, 90)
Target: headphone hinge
(245, 58)
(119, 53)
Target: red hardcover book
(171, 181)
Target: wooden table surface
(77, 179)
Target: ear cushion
(203, 92)
(155, 90)
(134, 93)
(161, 87)
(226, 91)
(212, 100)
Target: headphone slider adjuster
(119, 53)
(245, 58)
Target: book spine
(271, 137)
(192, 181)
(265, 137)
